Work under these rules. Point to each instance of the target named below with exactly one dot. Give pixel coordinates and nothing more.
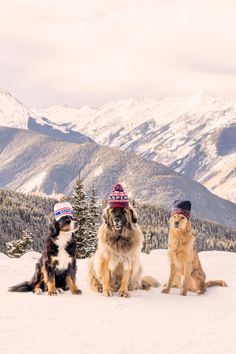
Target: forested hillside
(21, 212)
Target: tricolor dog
(56, 269)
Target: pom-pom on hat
(181, 207)
(62, 209)
(118, 197)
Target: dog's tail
(23, 287)
(27, 286)
(149, 282)
(210, 283)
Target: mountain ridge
(193, 135)
(14, 114)
(33, 162)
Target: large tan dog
(185, 268)
(116, 266)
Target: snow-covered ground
(148, 322)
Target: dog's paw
(99, 289)
(107, 293)
(52, 293)
(183, 292)
(38, 291)
(124, 293)
(76, 292)
(200, 292)
(165, 290)
(60, 291)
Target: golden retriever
(116, 266)
(186, 272)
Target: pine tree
(17, 248)
(92, 223)
(86, 215)
(80, 206)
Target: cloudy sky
(80, 52)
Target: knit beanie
(118, 197)
(181, 207)
(62, 209)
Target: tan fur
(116, 266)
(186, 272)
(37, 289)
(51, 288)
(73, 287)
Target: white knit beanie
(62, 209)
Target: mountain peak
(202, 95)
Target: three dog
(116, 265)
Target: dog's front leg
(106, 288)
(168, 286)
(50, 280)
(187, 274)
(70, 282)
(73, 287)
(123, 291)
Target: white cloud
(91, 51)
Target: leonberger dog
(186, 272)
(116, 266)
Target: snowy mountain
(148, 322)
(33, 162)
(194, 135)
(15, 115)
(12, 112)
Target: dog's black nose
(176, 223)
(117, 220)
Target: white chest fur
(63, 257)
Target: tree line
(25, 219)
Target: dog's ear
(189, 226)
(105, 215)
(133, 215)
(54, 228)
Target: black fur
(48, 265)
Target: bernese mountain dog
(56, 270)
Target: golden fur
(186, 272)
(116, 266)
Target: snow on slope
(194, 135)
(15, 114)
(102, 122)
(12, 112)
(148, 322)
(190, 134)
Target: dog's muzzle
(117, 224)
(176, 224)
